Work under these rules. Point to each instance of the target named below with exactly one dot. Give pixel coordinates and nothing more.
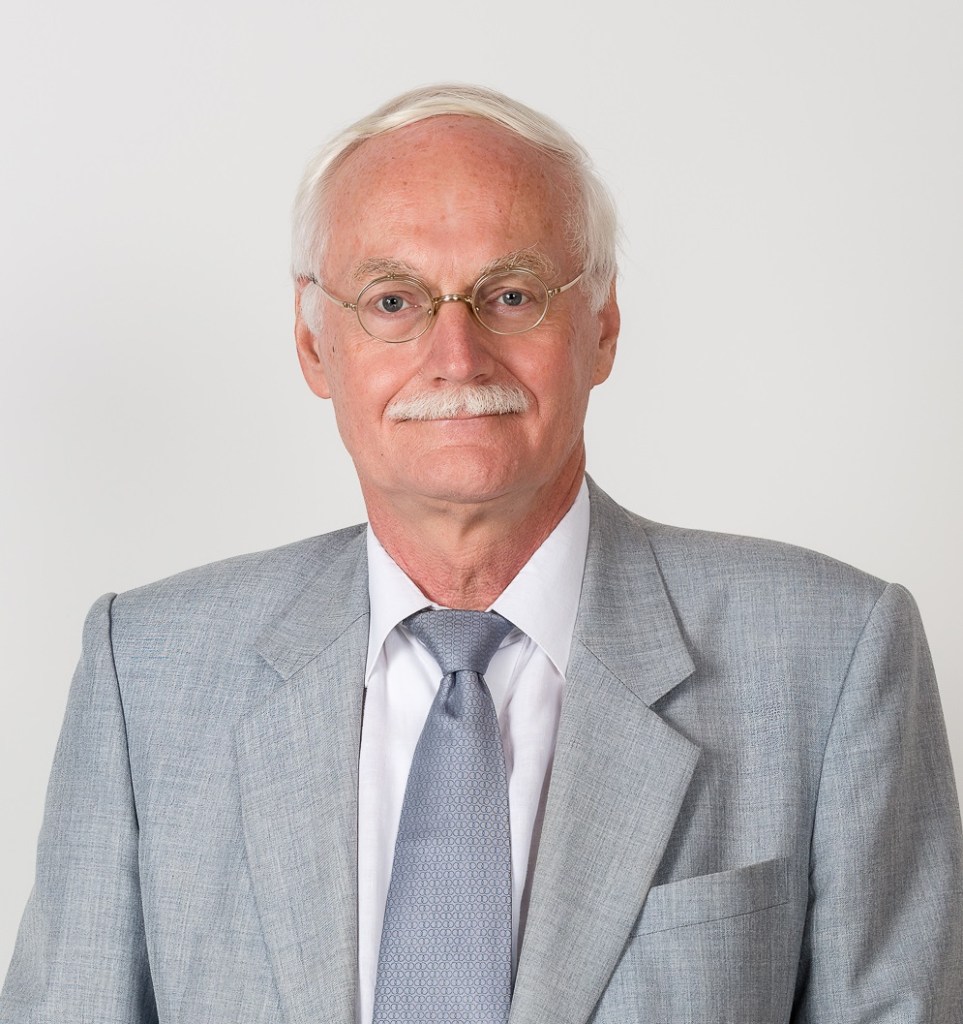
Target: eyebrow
(528, 258)
(378, 266)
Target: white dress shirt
(525, 677)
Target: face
(442, 200)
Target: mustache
(467, 400)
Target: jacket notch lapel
(298, 773)
(619, 776)
(618, 780)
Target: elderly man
(509, 752)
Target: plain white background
(791, 361)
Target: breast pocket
(712, 897)
(719, 947)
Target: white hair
(592, 227)
(464, 400)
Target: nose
(457, 345)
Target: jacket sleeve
(81, 953)
(884, 931)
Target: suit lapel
(618, 780)
(298, 768)
(618, 777)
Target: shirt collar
(392, 596)
(542, 600)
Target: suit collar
(625, 615)
(334, 599)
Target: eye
(394, 298)
(394, 309)
(391, 303)
(503, 293)
(510, 301)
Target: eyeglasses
(398, 309)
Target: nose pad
(456, 297)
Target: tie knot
(459, 641)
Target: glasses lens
(394, 309)
(510, 301)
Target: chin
(465, 480)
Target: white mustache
(467, 400)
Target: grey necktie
(446, 946)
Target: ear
(609, 320)
(309, 346)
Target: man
(718, 786)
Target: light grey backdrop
(792, 290)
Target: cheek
(362, 384)
(560, 378)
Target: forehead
(457, 186)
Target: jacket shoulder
(752, 560)
(771, 590)
(723, 585)
(287, 567)
(224, 603)
(704, 561)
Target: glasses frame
(437, 300)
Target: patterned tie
(446, 946)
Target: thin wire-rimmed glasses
(397, 309)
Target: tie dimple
(458, 640)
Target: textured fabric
(751, 818)
(446, 946)
(525, 678)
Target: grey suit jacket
(751, 816)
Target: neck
(465, 555)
